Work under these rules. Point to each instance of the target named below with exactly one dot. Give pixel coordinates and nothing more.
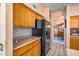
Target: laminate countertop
(74, 36)
(22, 41)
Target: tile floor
(58, 40)
(57, 50)
(72, 52)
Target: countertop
(21, 41)
(74, 36)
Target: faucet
(1, 46)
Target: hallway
(57, 50)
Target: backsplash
(74, 31)
(22, 32)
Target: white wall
(2, 25)
(2, 22)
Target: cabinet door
(28, 53)
(39, 50)
(21, 50)
(38, 17)
(36, 50)
(74, 20)
(74, 43)
(16, 14)
(77, 42)
(31, 19)
(27, 17)
(23, 16)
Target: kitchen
(29, 29)
(30, 32)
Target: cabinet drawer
(21, 50)
(36, 42)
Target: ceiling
(56, 6)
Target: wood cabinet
(16, 15)
(28, 53)
(74, 22)
(32, 19)
(21, 50)
(32, 49)
(39, 17)
(37, 48)
(74, 43)
(23, 16)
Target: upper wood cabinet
(23, 16)
(32, 17)
(74, 22)
(38, 17)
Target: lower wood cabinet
(32, 49)
(28, 53)
(74, 43)
(21, 50)
(36, 50)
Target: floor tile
(57, 50)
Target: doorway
(59, 33)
